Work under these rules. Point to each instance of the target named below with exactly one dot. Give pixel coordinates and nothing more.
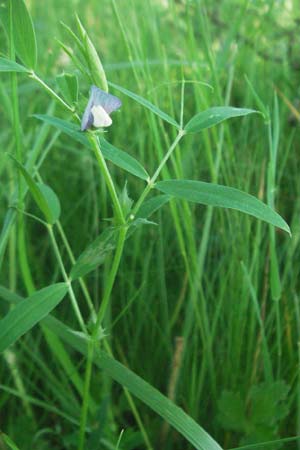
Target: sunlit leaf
(24, 35)
(6, 65)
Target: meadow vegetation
(149, 279)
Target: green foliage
(214, 116)
(95, 254)
(142, 101)
(43, 195)
(87, 61)
(180, 310)
(141, 389)
(29, 312)
(154, 204)
(6, 65)
(110, 152)
(222, 196)
(125, 201)
(68, 85)
(24, 34)
(8, 441)
(256, 416)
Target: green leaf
(29, 312)
(122, 159)
(24, 35)
(146, 210)
(6, 65)
(9, 296)
(223, 196)
(213, 116)
(68, 85)
(147, 104)
(52, 201)
(69, 128)
(232, 412)
(160, 404)
(43, 195)
(150, 206)
(110, 152)
(269, 403)
(95, 254)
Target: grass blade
(8, 441)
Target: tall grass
(204, 306)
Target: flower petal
(108, 101)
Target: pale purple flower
(98, 110)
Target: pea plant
(86, 126)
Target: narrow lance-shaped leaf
(24, 35)
(110, 152)
(213, 116)
(29, 312)
(6, 65)
(223, 196)
(147, 104)
(43, 195)
(150, 206)
(160, 404)
(52, 201)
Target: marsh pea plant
(84, 122)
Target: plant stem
(116, 262)
(50, 91)
(94, 337)
(67, 280)
(157, 172)
(109, 286)
(108, 180)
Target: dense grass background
(192, 298)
